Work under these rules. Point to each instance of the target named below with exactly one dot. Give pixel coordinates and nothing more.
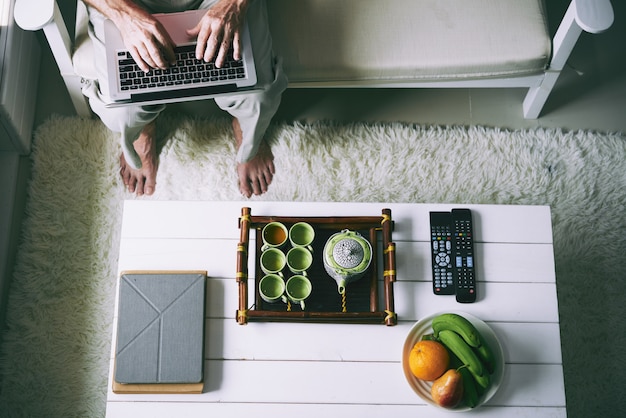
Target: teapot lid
(348, 252)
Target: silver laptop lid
(159, 86)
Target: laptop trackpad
(177, 24)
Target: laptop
(188, 79)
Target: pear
(447, 391)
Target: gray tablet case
(160, 331)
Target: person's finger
(237, 46)
(168, 55)
(222, 55)
(212, 46)
(201, 35)
(138, 56)
(155, 56)
(162, 49)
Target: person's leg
(253, 112)
(142, 180)
(138, 162)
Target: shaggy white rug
(55, 351)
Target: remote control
(441, 250)
(465, 280)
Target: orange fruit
(428, 360)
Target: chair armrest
(34, 14)
(594, 16)
(46, 15)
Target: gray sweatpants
(254, 110)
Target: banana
(470, 394)
(458, 324)
(463, 351)
(455, 363)
(470, 335)
(483, 382)
(486, 355)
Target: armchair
(356, 29)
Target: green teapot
(347, 256)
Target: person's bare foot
(255, 175)
(143, 180)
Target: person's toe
(149, 186)
(257, 187)
(124, 173)
(140, 185)
(263, 184)
(268, 177)
(125, 177)
(246, 190)
(244, 187)
(254, 183)
(271, 167)
(132, 184)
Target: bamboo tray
(360, 303)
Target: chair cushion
(370, 40)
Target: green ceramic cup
(274, 235)
(299, 259)
(272, 288)
(273, 261)
(302, 234)
(298, 288)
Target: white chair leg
(594, 16)
(74, 86)
(538, 95)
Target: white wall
(13, 179)
(19, 74)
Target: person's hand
(147, 40)
(219, 30)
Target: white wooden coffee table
(312, 370)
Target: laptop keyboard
(186, 72)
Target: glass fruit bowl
(422, 387)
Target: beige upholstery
(409, 39)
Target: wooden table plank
(501, 262)
(499, 302)
(414, 300)
(168, 409)
(319, 382)
(162, 219)
(522, 343)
